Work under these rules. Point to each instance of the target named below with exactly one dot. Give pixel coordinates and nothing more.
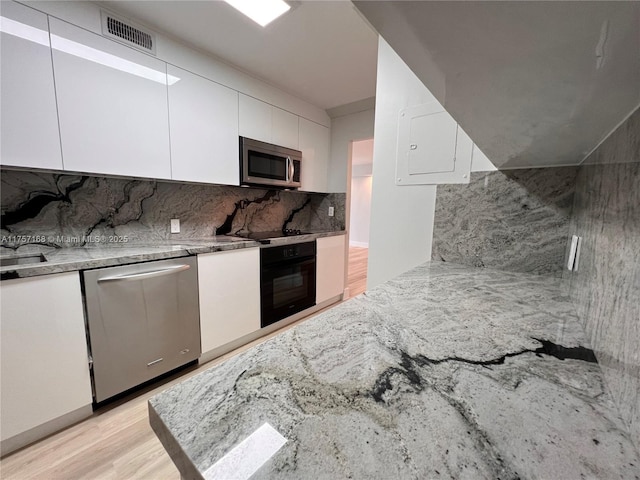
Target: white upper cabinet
(264, 122)
(203, 124)
(255, 119)
(314, 144)
(29, 133)
(112, 105)
(284, 128)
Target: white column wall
(401, 216)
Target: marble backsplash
(606, 287)
(61, 210)
(515, 220)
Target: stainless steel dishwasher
(143, 321)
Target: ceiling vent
(128, 33)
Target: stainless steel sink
(21, 260)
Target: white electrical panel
(432, 148)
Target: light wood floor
(117, 443)
(357, 276)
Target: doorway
(360, 179)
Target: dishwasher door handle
(145, 275)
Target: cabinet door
(203, 124)
(229, 287)
(330, 267)
(44, 367)
(112, 105)
(29, 127)
(254, 119)
(284, 128)
(314, 144)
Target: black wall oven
(287, 280)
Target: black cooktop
(274, 234)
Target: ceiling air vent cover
(128, 33)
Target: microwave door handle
(292, 172)
(288, 173)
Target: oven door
(286, 288)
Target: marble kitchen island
(446, 371)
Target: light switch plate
(331, 211)
(574, 253)
(175, 225)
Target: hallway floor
(357, 276)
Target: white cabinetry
(260, 121)
(229, 287)
(255, 119)
(112, 105)
(314, 144)
(284, 128)
(29, 133)
(330, 262)
(44, 368)
(203, 124)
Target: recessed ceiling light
(262, 12)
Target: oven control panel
(290, 252)
(281, 253)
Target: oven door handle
(145, 275)
(274, 265)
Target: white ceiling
(532, 83)
(320, 51)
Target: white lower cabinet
(330, 262)
(229, 288)
(44, 363)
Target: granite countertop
(107, 255)
(446, 371)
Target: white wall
(401, 216)
(360, 211)
(360, 205)
(480, 162)
(345, 129)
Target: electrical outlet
(331, 211)
(175, 225)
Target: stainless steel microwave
(264, 164)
